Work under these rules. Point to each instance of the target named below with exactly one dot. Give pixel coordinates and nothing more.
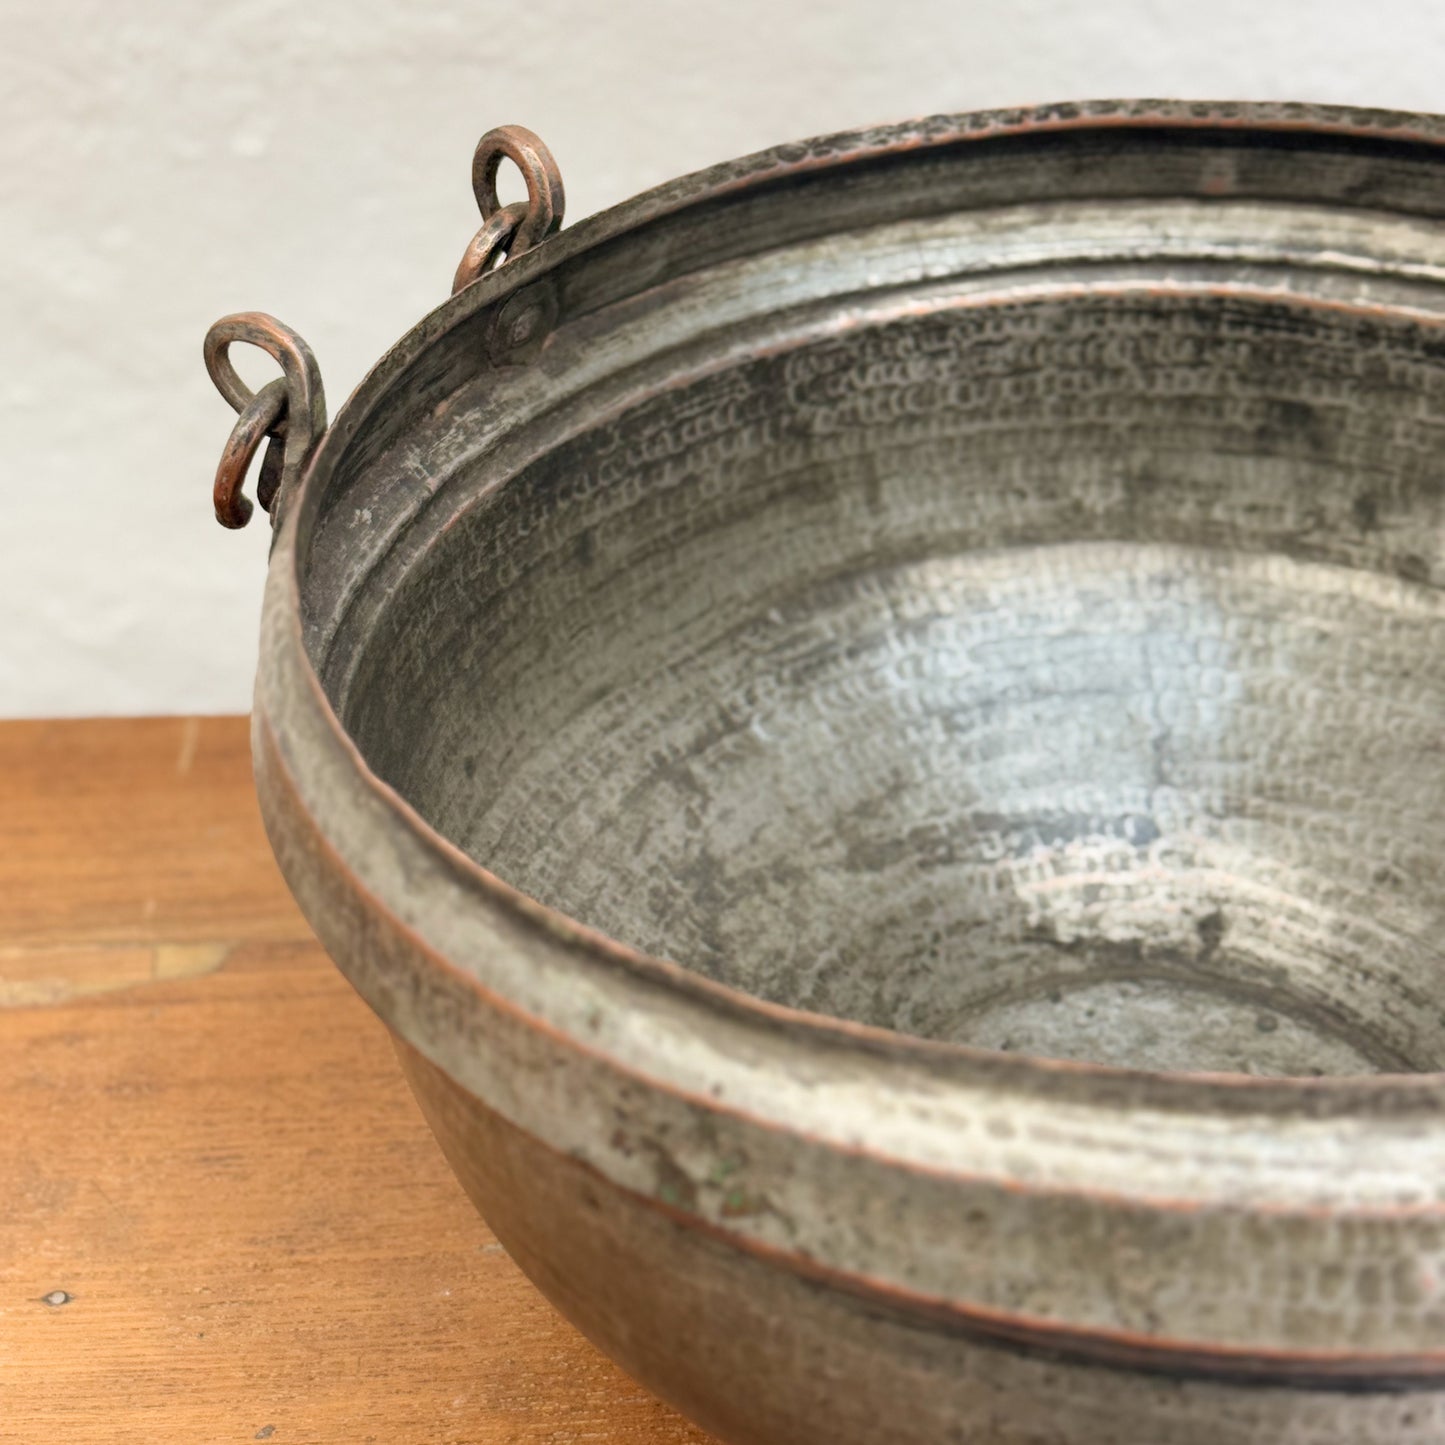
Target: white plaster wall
(165, 162)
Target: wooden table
(221, 1215)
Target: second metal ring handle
(510, 230)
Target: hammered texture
(1058, 677)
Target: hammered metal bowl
(871, 721)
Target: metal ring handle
(510, 230)
(293, 411)
(497, 237)
(298, 364)
(546, 199)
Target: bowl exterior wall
(764, 1356)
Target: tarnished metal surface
(870, 718)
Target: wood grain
(209, 1153)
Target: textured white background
(165, 162)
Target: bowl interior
(1058, 675)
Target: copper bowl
(871, 722)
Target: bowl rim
(1417, 1096)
